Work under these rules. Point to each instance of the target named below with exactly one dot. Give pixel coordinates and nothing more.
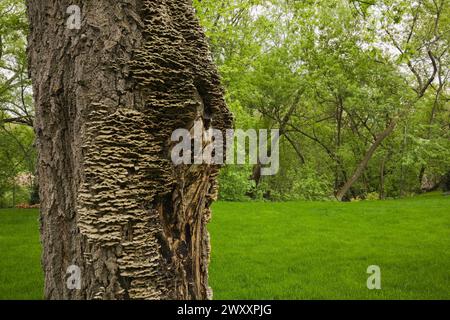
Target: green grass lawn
(20, 253)
(294, 250)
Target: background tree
(17, 152)
(331, 69)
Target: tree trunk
(363, 164)
(429, 131)
(382, 177)
(14, 193)
(339, 112)
(108, 96)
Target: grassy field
(20, 270)
(295, 250)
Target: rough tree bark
(108, 97)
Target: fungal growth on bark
(108, 97)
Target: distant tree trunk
(108, 97)
(430, 123)
(363, 164)
(382, 178)
(339, 113)
(445, 182)
(14, 193)
(421, 175)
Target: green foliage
(19, 195)
(17, 153)
(235, 183)
(338, 76)
(302, 182)
(330, 74)
(373, 196)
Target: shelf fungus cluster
(143, 219)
